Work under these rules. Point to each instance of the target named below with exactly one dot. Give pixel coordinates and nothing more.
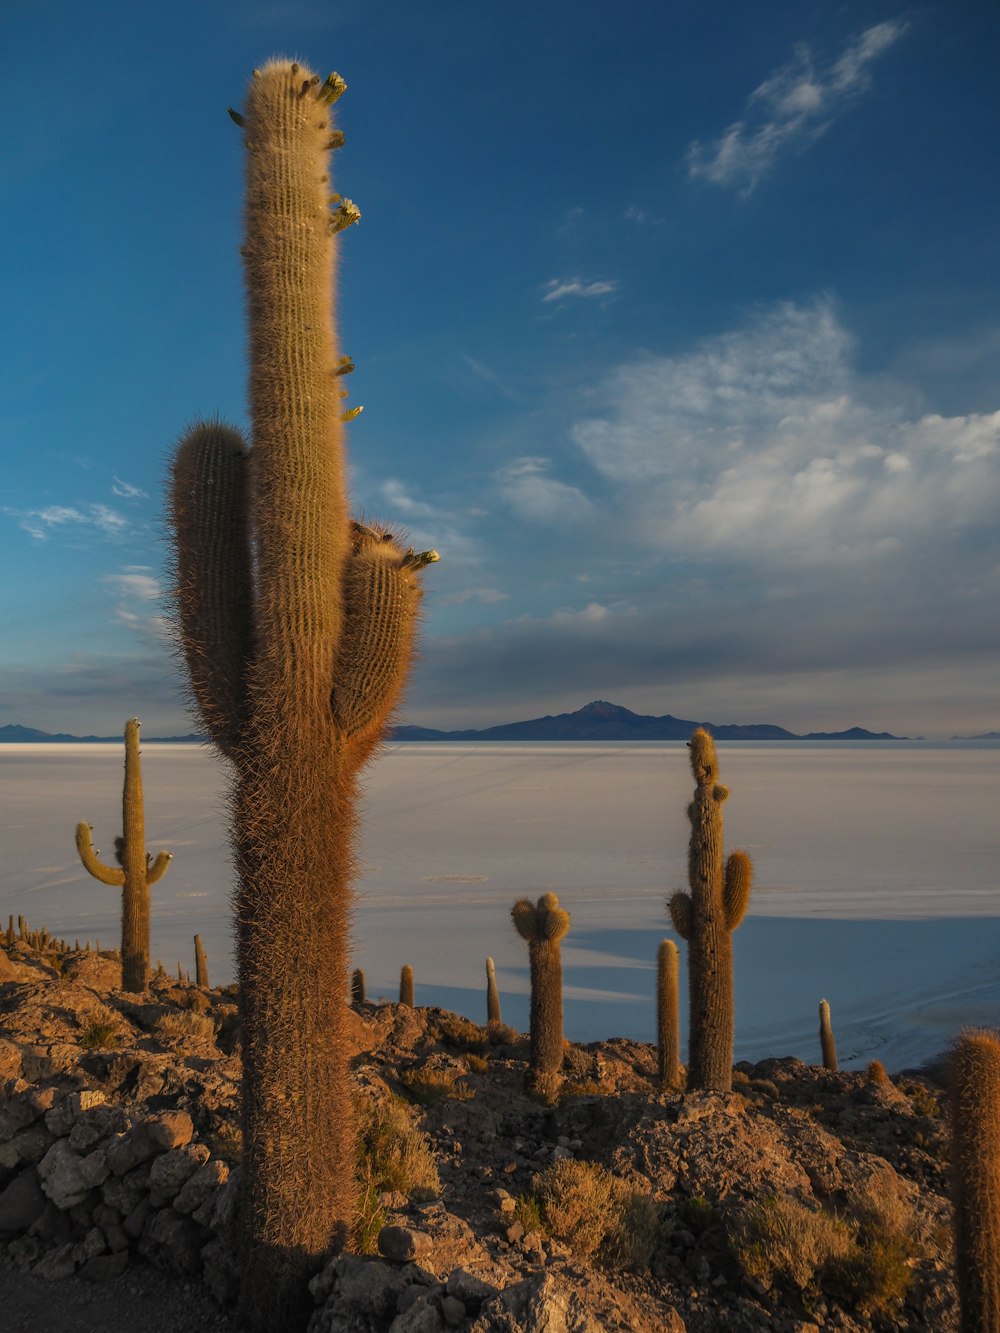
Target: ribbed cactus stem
(668, 1016)
(136, 871)
(406, 985)
(297, 627)
(492, 994)
(200, 963)
(358, 986)
(706, 917)
(975, 1126)
(543, 925)
(11, 933)
(827, 1041)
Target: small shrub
(184, 1024)
(583, 1088)
(633, 1241)
(499, 1034)
(765, 1089)
(779, 1240)
(461, 1034)
(528, 1213)
(427, 1086)
(194, 1000)
(696, 1213)
(226, 1141)
(392, 1155)
(478, 1064)
(100, 1033)
(924, 1099)
(876, 1274)
(578, 1203)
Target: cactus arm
(382, 597)
(736, 894)
(679, 907)
(524, 918)
(158, 867)
(213, 592)
(85, 846)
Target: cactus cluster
(543, 925)
(136, 871)
(705, 918)
(297, 626)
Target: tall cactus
(706, 918)
(406, 985)
(492, 993)
(297, 627)
(827, 1041)
(668, 1016)
(543, 926)
(975, 1126)
(136, 869)
(200, 963)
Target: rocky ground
(804, 1199)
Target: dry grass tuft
(578, 1203)
(427, 1086)
(779, 1241)
(459, 1033)
(100, 1034)
(392, 1155)
(184, 1024)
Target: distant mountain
(32, 736)
(601, 721)
(984, 736)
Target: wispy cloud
(127, 491)
(790, 110)
(526, 487)
(135, 581)
(135, 586)
(558, 289)
(42, 523)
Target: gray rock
(219, 1272)
(28, 1145)
(356, 1294)
(172, 1242)
(401, 1244)
(56, 1265)
(23, 1109)
(67, 1110)
(125, 1193)
(423, 1316)
(200, 1186)
(22, 1202)
(96, 1123)
(135, 1224)
(104, 1267)
(453, 1310)
(155, 1135)
(172, 1170)
(468, 1288)
(540, 1304)
(67, 1178)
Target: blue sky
(676, 329)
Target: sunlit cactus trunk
(975, 1134)
(827, 1041)
(136, 869)
(706, 918)
(668, 1038)
(543, 925)
(406, 985)
(200, 963)
(492, 993)
(296, 655)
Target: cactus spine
(492, 994)
(668, 1016)
(975, 1124)
(136, 871)
(200, 963)
(827, 1041)
(543, 926)
(406, 985)
(297, 627)
(706, 918)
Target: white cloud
(41, 523)
(135, 581)
(557, 289)
(127, 491)
(789, 110)
(524, 485)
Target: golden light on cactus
(297, 627)
(706, 917)
(543, 925)
(975, 1133)
(406, 985)
(492, 993)
(668, 1041)
(137, 869)
(827, 1041)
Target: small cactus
(406, 985)
(136, 871)
(668, 1016)
(200, 963)
(11, 933)
(492, 994)
(543, 926)
(975, 1124)
(357, 986)
(875, 1072)
(706, 919)
(827, 1041)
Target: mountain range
(597, 721)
